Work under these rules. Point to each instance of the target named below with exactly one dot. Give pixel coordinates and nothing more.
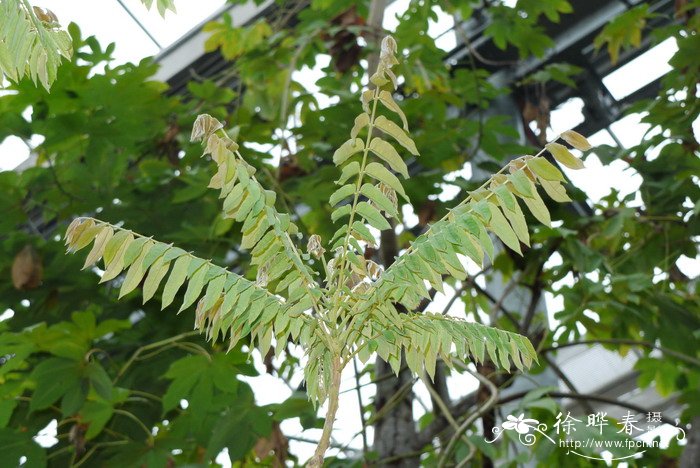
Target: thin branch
(562, 376)
(581, 396)
(149, 346)
(362, 408)
(621, 341)
(470, 420)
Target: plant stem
(333, 393)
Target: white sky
(110, 23)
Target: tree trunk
(395, 431)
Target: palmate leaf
(31, 43)
(228, 305)
(266, 233)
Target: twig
(621, 341)
(580, 396)
(151, 346)
(362, 407)
(470, 420)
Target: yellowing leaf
(555, 190)
(387, 153)
(387, 99)
(98, 247)
(576, 140)
(564, 156)
(86, 235)
(114, 244)
(116, 263)
(390, 128)
(538, 209)
(134, 275)
(517, 221)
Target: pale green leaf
(116, 265)
(387, 153)
(555, 190)
(175, 280)
(134, 275)
(372, 215)
(390, 128)
(342, 193)
(387, 99)
(538, 209)
(348, 171)
(155, 275)
(378, 198)
(347, 149)
(379, 172)
(522, 183)
(564, 156)
(500, 226)
(194, 286)
(98, 247)
(545, 170)
(361, 121)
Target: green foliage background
(116, 143)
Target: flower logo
(520, 424)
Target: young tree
(143, 173)
(354, 309)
